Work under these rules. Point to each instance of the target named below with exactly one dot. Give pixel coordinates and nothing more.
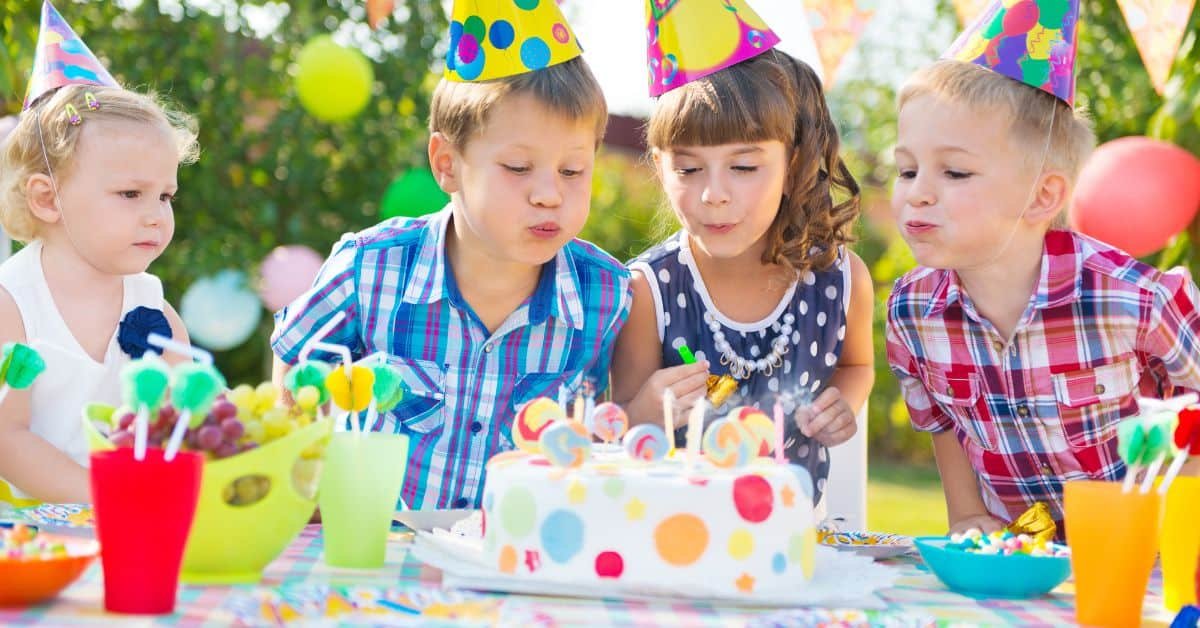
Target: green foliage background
(271, 174)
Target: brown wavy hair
(772, 97)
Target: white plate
(428, 520)
(873, 544)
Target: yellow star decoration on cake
(635, 509)
(576, 492)
(745, 584)
(788, 496)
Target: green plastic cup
(360, 485)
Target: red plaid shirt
(1041, 410)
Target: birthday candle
(695, 430)
(779, 433)
(669, 419)
(577, 413)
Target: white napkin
(840, 580)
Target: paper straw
(320, 335)
(1152, 472)
(141, 432)
(187, 351)
(1172, 471)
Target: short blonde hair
(23, 154)
(1070, 139)
(460, 111)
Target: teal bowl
(1017, 576)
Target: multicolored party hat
(690, 39)
(62, 59)
(491, 39)
(1032, 41)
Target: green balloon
(414, 193)
(333, 83)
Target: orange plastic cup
(1180, 543)
(1113, 538)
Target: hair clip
(92, 103)
(822, 175)
(73, 116)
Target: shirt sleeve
(1173, 332)
(923, 412)
(598, 372)
(334, 290)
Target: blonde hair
(28, 150)
(1040, 124)
(772, 97)
(460, 111)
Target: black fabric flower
(133, 333)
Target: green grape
(277, 425)
(265, 396)
(242, 396)
(255, 432)
(308, 397)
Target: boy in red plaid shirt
(1018, 345)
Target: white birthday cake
(731, 522)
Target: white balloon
(221, 311)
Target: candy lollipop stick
(145, 384)
(194, 388)
(1187, 439)
(22, 364)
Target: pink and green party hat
(62, 59)
(1031, 41)
(690, 39)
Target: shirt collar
(558, 293)
(1060, 278)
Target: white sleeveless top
(72, 377)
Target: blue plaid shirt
(400, 297)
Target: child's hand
(688, 382)
(829, 420)
(984, 522)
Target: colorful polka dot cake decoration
(491, 39)
(531, 419)
(566, 443)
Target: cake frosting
(658, 526)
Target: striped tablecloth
(298, 586)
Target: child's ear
(443, 155)
(1051, 196)
(40, 194)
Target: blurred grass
(905, 498)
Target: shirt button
(1023, 411)
(1099, 389)
(487, 348)
(476, 427)
(461, 502)
(949, 391)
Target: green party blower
(21, 365)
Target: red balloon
(1136, 193)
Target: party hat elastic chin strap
(37, 118)
(1037, 175)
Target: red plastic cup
(144, 511)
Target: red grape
(232, 429)
(122, 438)
(222, 409)
(125, 422)
(226, 450)
(208, 437)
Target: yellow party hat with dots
(690, 39)
(491, 39)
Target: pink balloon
(286, 273)
(1136, 193)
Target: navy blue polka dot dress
(802, 338)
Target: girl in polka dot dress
(759, 283)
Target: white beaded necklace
(743, 368)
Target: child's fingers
(674, 374)
(827, 420)
(827, 398)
